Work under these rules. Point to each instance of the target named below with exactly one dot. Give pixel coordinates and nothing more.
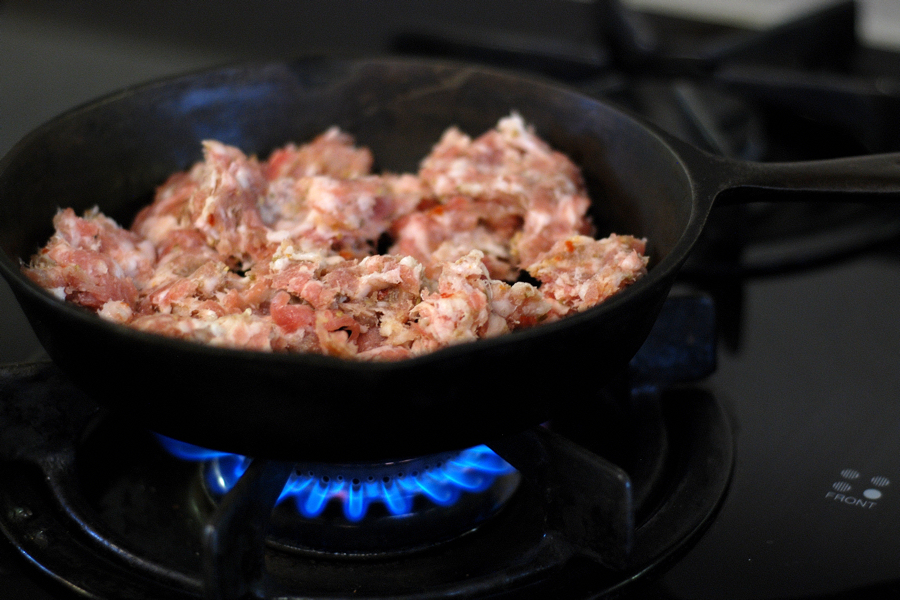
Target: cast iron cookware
(113, 152)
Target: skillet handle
(870, 178)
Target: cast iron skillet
(113, 152)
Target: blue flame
(472, 470)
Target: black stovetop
(809, 353)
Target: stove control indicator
(853, 489)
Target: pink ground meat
(280, 255)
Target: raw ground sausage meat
(282, 254)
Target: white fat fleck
(496, 326)
(155, 228)
(134, 256)
(162, 300)
(630, 261)
(59, 292)
(365, 202)
(537, 220)
(328, 202)
(333, 132)
(277, 236)
(128, 263)
(514, 129)
(502, 307)
(502, 184)
(208, 285)
(217, 329)
(244, 178)
(115, 311)
(321, 194)
(377, 281)
(416, 232)
(364, 263)
(201, 221)
(412, 263)
(585, 288)
(206, 314)
(279, 264)
(513, 125)
(391, 328)
(442, 183)
(287, 254)
(457, 169)
(100, 267)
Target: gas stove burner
(96, 504)
(379, 508)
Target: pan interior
(113, 153)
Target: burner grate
(98, 506)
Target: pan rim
(22, 284)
